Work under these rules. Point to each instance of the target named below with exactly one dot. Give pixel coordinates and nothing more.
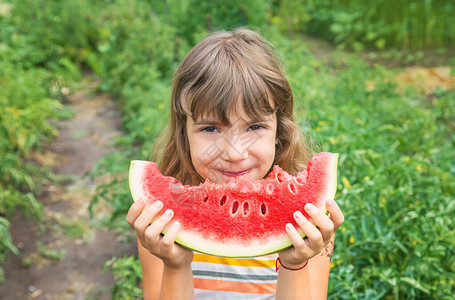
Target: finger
(335, 213)
(158, 226)
(171, 234)
(297, 241)
(314, 236)
(321, 220)
(134, 211)
(146, 217)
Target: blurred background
(84, 89)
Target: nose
(232, 149)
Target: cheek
(265, 150)
(271, 153)
(271, 150)
(201, 152)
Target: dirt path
(63, 256)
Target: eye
(209, 129)
(256, 127)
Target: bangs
(230, 82)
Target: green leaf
(336, 28)
(380, 43)
(414, 283)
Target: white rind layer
(332, 173)
(137, 170)
(194, 241)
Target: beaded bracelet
(278, 260)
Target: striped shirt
(234, 278)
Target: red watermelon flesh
(243, 217)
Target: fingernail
(168, 212)
(298, 215)
(330, 202)
(176, 225)
(309, 207)
(140, 201)
(158, 204)
(289, 226)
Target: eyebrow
(206, 122)
(213, 122)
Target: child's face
(245, 146)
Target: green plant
(31, 74)
(46, 251)
(396, 178)
(380, 24)
(66, 45)
(128, 273)
(6, 244)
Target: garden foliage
(35, 65)
(397, 157)
(402, 24)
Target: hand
(141, 218)
(316, 237)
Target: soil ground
(63, 256)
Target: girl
(232, 114)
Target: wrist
(175, 269)
(290, 266)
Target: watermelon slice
(244, 217)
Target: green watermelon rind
(271, 250)
(189, 240)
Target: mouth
(234, 174)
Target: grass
(396, 172)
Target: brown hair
(221, 70)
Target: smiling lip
(233, 174)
